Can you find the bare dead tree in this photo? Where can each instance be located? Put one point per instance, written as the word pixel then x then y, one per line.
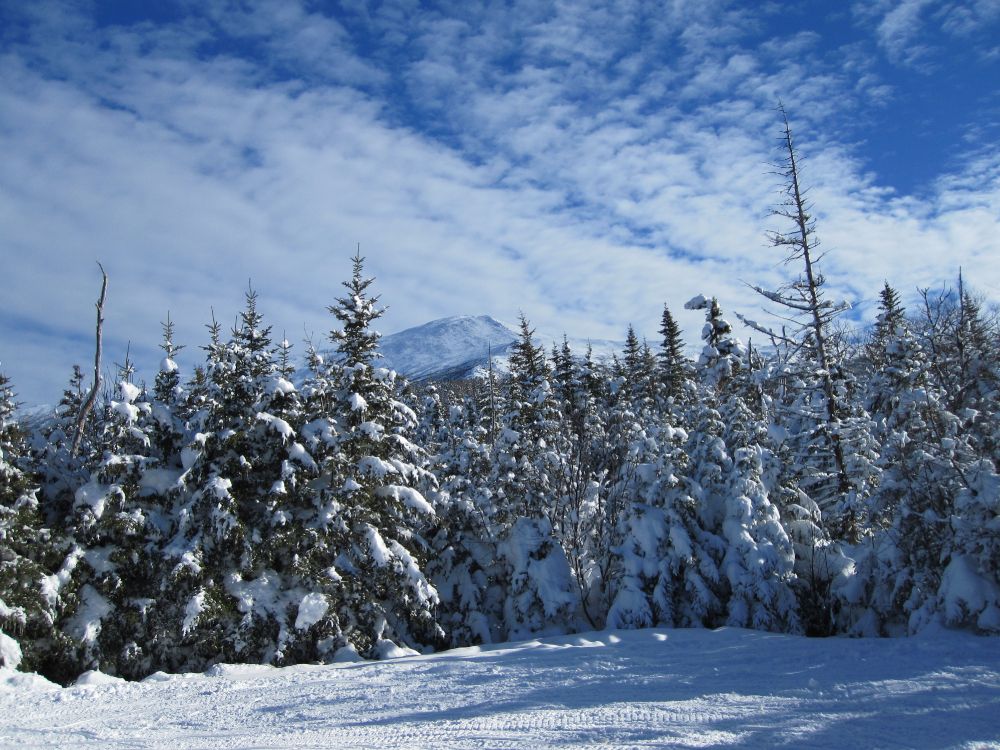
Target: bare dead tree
pixel 88 405
pixel 804 307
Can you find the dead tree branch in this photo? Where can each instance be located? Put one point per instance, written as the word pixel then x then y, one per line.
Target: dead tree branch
pixel 88 405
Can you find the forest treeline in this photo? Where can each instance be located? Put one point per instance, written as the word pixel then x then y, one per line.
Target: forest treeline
pixel 240 517
pixel 832 482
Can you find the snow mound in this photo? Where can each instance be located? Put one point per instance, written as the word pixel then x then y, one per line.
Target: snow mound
pixel 10 650
pixel 96 677
pixel 12 681
pixel 389 650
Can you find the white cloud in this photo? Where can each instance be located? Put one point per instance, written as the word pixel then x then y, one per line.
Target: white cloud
pixel 549 161
pixel 899 29
pixel 912 32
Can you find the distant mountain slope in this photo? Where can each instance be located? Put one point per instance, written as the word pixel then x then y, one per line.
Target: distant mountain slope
pixel 448 348
pixel 459 347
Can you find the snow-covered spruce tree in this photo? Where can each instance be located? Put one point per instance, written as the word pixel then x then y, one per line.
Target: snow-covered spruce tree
pixel 529 420
pixel 465 566
pixel 970 591
pixel 619 450
pixel 371 486
pixel 580 521
pixel 887 576
pixel 933 552
pixel 758 561
pixel 638 370
pixel 118 523
pixel 970 586
pixel 167 430
pixel 29 555
pixel 668 560
pixel 526 403
pixel 674 368
pixel 710 465
pixel 249 563
pixel 309 534
pixel 891 315
pixel 529 471
pixel 612 448
pixel 666 571
pixel 722 353
pixel 192 610
pixel 566 384
pixel 961 340
pixel 760 557
pixel 59 472
pixel 831 432
pixel 58 475
pixel 214 606
pixel 283 594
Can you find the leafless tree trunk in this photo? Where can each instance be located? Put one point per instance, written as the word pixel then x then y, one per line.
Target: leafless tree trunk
pixel 803 245
pixel 88 405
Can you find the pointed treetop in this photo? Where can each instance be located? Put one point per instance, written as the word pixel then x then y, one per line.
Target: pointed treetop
pixel 632 346
pixel 214 333
pixel 126 369
pixel 251 332
pixel 168 345
pixel 526 359
pixel 356 311
pixel 891 311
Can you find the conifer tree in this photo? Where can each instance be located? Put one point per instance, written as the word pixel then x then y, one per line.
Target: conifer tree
pixel 932 511
pixel 529 476
pixel 891 315
pixel 29 554
pixel 117 521
pixel 466 568
pixel 372 484
pixel 59 472
pixel 673 365
pixel 668 558
pixel 759 559
pixel 167 432
pixel 728 452
pixel 215 558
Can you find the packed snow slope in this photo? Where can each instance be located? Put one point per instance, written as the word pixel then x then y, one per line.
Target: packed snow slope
pixel 646 688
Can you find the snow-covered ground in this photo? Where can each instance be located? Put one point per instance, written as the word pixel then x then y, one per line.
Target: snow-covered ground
pixel 649 688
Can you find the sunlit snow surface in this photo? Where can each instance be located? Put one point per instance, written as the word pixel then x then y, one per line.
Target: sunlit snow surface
pixel 650 688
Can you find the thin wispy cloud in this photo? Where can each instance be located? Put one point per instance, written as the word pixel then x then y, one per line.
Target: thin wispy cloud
pixel 582 162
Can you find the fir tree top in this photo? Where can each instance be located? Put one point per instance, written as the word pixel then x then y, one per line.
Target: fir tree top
pixel 356 340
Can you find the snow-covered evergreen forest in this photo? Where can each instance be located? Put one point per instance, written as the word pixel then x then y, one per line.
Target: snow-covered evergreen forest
pixel 830 481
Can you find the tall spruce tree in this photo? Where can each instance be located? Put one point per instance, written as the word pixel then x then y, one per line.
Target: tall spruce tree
pixel 466 567
pixel 530 470
pixel 673 365
pixel 372 481
pixel 30 553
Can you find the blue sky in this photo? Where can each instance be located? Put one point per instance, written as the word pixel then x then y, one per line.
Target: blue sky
pixel 582 162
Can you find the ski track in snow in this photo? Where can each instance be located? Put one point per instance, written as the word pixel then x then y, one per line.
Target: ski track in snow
pixel 641 689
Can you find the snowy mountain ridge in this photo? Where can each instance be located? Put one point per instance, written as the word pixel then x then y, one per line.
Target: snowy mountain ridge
pixel 448 348
pixel 459 347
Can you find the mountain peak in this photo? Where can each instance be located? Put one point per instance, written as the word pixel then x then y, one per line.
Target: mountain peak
pixel 447 348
